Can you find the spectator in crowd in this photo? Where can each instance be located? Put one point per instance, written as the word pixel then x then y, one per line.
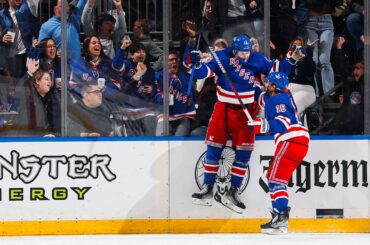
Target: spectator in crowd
pixel 34 103
pixel 350 117
pixel 341 64
pixel 209 33
pixel 89 116
pixel 181 104
pixel 52 28
pixel 141 35
pixel 18 25
pixel 107 28
pixel 206 98
pixel 6 100
pixel 355 24
pixel 205 89
pixel 234 17
pixel 138 78
pixel 283 26
pixel 93 67
pixel 320 32
pixel 46 52
pixel 7 90
pixel 138 82
pixel 301 17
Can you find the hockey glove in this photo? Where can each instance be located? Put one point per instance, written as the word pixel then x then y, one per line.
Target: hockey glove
pixel 295 54
pixel 195 58
pixel 259 126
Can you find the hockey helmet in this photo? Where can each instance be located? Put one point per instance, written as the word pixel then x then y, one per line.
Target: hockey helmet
pixel 279 79
pixel 242 43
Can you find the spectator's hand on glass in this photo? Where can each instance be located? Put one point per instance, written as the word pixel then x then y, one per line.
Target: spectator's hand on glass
pixel 253 4
pixel 362 37
pixel 32 66
pixel 340 42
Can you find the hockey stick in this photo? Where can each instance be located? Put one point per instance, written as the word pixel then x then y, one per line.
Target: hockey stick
pixel 190 84
pixel 250 119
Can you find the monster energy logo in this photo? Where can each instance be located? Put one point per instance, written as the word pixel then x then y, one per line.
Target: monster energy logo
pixel 28 168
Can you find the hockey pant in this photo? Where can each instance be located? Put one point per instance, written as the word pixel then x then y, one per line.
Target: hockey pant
pixel 288 156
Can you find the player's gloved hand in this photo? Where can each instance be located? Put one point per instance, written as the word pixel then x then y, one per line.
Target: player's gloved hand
pixel 195 58
pixel 259 126
pixel 295 54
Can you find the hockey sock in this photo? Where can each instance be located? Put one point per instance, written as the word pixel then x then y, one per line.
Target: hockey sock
pixel 211 164
pixel 279 197
pixel 239 167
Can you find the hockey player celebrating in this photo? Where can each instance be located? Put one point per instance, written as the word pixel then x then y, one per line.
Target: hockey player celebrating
pixel 291 140
pixel 228 117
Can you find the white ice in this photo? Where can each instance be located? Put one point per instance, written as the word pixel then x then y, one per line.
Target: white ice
pixel 194 239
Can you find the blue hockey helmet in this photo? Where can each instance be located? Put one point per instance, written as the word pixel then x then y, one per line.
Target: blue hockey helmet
pixel 279 79
pixel 241 43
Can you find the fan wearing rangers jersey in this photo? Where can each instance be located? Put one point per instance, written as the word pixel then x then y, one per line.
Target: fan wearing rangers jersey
pixel 228 117
pixel 291 140
pixel 181 104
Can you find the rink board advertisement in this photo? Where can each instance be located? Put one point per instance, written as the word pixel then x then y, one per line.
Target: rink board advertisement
pixel 141 186
pixel 84 180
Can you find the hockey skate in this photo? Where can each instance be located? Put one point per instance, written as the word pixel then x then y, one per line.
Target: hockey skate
pixel 204 197
pixel 278 224
pixel 230 199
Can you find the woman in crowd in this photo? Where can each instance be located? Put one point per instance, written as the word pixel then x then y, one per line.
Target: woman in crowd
pixel 50 60
pixel 36 105
pixel 94 66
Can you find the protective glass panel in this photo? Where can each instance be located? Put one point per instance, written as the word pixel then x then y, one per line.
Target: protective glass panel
pixel 198 25
pixel 23 89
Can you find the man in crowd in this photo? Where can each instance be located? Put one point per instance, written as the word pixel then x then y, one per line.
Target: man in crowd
pixel 19 25
pixel 52 28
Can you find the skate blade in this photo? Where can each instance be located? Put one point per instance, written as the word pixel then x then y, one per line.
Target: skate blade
pixel 229 205
pixel 202 202
pixel 275 231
